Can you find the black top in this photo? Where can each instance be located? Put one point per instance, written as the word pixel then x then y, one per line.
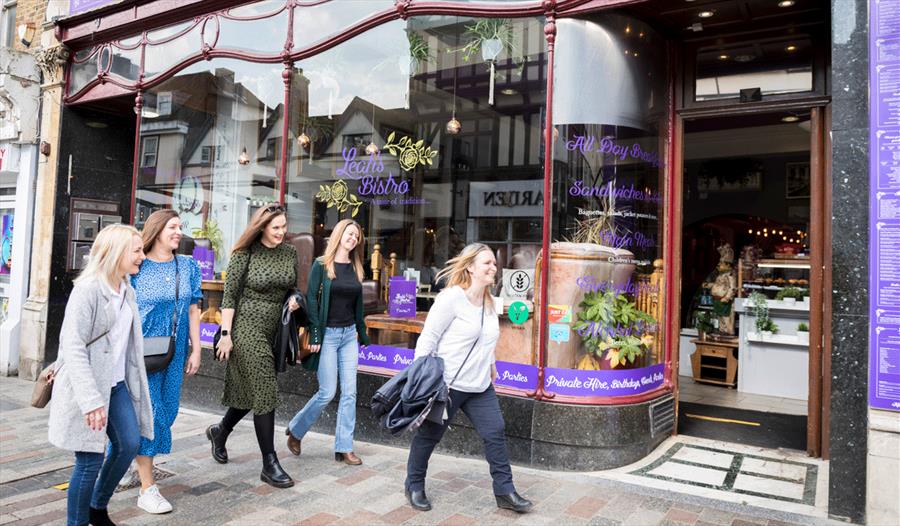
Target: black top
pixel 345 289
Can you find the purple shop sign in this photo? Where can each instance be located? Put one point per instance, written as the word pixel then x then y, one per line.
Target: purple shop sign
pixel 884 205
pixel 207 332
pixel 574 382
pixel 205 258
pixel 516 375
pixel 80 6
pixel 402 298
pixel 385 356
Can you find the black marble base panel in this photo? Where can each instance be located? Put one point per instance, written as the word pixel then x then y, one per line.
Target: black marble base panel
pixel 540 434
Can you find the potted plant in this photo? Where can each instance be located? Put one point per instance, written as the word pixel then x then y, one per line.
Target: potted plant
pixel 759 307
pixel 211 234
pixel 803 333
pixel 419 52
pixel 491 36
pixel 703 322
pixel 615 332
pixel 789 295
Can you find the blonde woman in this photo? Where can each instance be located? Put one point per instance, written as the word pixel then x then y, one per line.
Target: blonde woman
pixel 335 304
pixel 261 273
pixel 101 389
pixel 462 328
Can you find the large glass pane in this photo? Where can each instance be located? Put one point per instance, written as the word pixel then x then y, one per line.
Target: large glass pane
pixel 775 66
pixel 397 129
pixel 163 55
pixel 316 22
pixel 237 30
pixel 207 149
pixel 606 262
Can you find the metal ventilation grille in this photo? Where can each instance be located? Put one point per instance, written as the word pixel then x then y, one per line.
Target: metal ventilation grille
pixel 662 416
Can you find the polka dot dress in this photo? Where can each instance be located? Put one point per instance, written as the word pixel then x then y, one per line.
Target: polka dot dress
pixel 250 372
pixel 154 287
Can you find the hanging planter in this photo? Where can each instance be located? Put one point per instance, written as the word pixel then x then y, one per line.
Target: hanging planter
pixel 490 36
pixel 419 52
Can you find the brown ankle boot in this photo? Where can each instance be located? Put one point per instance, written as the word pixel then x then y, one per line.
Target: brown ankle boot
pixel 293 444
pixel 348 458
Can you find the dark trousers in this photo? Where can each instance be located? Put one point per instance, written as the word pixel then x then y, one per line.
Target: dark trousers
pixel 483 409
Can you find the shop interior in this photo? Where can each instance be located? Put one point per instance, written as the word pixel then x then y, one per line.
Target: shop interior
pixel 744 341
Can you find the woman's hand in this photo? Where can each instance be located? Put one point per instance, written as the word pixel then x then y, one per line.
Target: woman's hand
pixel 314 348
pixel 193 362
pixel 494 373
pixel 223 350
pixel 96 419
pixel 292 304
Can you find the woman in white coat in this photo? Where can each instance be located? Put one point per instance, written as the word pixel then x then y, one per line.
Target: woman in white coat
pixel 100 390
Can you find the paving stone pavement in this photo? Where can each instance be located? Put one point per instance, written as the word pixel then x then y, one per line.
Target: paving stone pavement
pixel 330 493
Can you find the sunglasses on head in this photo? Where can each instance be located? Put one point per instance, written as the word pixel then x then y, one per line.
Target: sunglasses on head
pixel 272 209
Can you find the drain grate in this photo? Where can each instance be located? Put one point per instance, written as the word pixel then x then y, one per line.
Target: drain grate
pixel 132 480
pixel 662 416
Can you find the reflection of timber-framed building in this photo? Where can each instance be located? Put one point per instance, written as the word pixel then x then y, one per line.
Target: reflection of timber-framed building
pixel 605 151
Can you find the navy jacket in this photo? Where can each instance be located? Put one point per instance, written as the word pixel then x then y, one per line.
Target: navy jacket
pixel 412 396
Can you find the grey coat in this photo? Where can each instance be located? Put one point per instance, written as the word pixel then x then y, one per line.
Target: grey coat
pixel 84 380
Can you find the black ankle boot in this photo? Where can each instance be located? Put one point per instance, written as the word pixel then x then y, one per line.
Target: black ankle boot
pixel 418 500
pixel 99 518
pixel 514 502
pixel 272 473
pixel 217 435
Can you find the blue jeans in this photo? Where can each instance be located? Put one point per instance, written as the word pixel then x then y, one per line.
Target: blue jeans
pixel 86 489
pixel 339 356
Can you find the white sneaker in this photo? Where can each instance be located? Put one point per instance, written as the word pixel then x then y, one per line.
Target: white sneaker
pixel 151 501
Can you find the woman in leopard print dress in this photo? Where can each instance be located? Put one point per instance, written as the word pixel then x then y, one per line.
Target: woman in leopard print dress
pixel 250 318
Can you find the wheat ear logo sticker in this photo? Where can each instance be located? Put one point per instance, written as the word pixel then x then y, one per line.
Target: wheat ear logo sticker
pixel 338 196
pixel 410 154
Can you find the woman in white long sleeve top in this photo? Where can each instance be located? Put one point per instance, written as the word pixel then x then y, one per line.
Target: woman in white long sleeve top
pixel 463 322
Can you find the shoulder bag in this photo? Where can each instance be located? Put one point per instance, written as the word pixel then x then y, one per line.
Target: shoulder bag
pixel 159 350
pixel 43 386
pixel 237 303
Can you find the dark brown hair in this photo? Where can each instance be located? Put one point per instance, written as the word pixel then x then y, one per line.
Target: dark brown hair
pixel 155 224
pixel 258 222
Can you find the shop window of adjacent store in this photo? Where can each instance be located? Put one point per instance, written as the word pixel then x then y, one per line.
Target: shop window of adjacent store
pixel 430 142
pixel 606 283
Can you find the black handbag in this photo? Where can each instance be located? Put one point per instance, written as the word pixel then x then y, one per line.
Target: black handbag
pixel 240 292
pixel 159 350
pixel 287 337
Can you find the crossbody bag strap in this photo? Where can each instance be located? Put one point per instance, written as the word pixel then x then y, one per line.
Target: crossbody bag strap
pixel 478 339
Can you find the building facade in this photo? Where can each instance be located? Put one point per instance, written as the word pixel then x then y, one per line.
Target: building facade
pixel 647 174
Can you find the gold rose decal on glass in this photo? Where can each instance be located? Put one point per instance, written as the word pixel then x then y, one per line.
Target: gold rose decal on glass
pixel 338 196
pixel 409 154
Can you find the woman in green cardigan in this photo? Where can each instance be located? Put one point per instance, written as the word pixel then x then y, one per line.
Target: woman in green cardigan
pixel 335 304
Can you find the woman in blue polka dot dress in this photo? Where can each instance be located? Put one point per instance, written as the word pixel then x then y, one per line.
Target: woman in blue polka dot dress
pixel 154 286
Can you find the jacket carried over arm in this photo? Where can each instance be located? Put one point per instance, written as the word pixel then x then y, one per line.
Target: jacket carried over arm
pixel 317 304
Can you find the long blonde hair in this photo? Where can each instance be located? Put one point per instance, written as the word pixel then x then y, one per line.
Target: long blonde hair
pixel 334 241
pixel 457 271
pixel 111 245
pixel 258 222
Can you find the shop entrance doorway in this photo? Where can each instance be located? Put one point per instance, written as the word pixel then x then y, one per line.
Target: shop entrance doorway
pixel 750 239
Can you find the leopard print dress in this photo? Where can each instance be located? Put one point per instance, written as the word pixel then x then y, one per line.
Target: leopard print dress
pixel 250 372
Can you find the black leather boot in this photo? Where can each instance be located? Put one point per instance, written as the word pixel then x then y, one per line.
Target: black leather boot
pixel 272 473
pixel 217 435
pixel 99 518
pixel 514 502
pixel 418 500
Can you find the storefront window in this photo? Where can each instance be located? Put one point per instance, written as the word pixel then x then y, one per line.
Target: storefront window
pixel 428 135
pixel 605 303
pixel 210 149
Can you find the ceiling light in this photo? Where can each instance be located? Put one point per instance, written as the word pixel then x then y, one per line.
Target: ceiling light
pixel 96 124
pixel 723 56
pixel 627 30
pixel 790 118
pixel 453 126
pixel 791 48
pixel 786 3
pixel 508 91
pixel 243 158
pixel 303 140
pixel 706 14
pixel 744 58
pixel 696 27
pixel 371 149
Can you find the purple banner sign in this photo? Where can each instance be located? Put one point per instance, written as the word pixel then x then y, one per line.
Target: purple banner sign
pixel 884 205
pixel 402 298
pixel 574 382
pixel 385 356
pixel 80 6
pixel 205 258
pixel 516 375
pixel 207 332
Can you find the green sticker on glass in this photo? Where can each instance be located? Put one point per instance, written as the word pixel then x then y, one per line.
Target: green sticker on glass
pixel 518 312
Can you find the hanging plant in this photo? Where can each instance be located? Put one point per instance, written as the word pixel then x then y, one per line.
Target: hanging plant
pixel 491 36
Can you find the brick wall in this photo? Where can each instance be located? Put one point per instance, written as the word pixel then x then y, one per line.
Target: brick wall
pixel 31 12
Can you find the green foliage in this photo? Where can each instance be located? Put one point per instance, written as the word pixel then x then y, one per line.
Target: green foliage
pixel 419 49
pixel 759 307
pixel 213 233
pixel 489 29
pixel 803 327
pixel 613 310
pixel 703 322
pixel 790 292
